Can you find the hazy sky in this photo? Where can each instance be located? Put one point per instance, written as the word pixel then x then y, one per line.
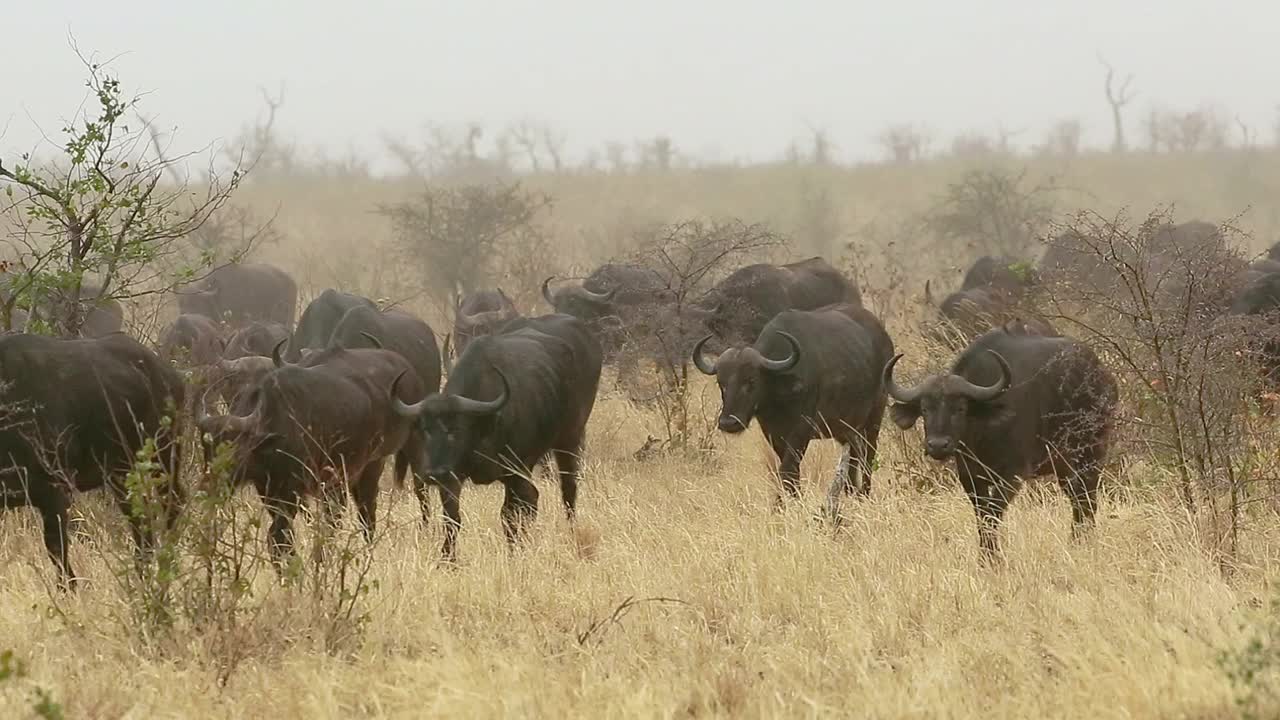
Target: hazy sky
pixel 724 78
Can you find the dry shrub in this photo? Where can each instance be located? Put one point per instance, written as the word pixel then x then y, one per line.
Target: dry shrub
pixel 1150 297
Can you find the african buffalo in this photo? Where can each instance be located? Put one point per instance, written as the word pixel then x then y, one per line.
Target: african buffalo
pixel 258 338
pixel 990 295
pixel 1015 405
pixel 79 413
pixel 739 307
pixel 1260 298
pixel 394 330
pixel 481 313
pixel 512 400
pixel 319 430
pixel 191 340
pixel 811 374
pixel 241 293
pixel 319 319
pixel 619 303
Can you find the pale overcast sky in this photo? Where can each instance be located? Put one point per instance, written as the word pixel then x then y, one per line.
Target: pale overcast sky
pixel 724 78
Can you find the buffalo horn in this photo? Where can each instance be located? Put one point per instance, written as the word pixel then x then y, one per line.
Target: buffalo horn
pixel 376 342
pixel 977 392
pixel 898 393
pixel 467 406
pixel 403 409
pixel 546 291
pixel 700 360
pixel 787 363
pixel 275 354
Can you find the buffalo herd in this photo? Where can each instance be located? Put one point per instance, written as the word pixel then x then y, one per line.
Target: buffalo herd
pixel 312 407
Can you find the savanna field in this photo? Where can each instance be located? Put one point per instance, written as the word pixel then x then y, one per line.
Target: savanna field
pixel 680 591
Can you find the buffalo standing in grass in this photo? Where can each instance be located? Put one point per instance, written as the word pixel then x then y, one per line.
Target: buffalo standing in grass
pixel 241 293
pixel 191 340
pixel 319 319
pixel 79 412
pixel 481 313
pixel 738 307
pixel 319 430
pixel 811 374
pixel 512 400
pixel 1015 405
pixel 988 297
pixel 619 303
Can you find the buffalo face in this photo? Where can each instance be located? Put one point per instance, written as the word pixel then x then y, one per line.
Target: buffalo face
pixel 742 374
pixel 948 403
pixel 451 427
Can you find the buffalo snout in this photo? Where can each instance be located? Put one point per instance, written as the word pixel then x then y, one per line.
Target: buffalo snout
pixel 940 448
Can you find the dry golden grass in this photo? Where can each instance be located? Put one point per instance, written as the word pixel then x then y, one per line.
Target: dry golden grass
pixel 772 614
pixel 765 614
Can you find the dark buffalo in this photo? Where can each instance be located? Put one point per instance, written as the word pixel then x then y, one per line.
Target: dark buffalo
pixel 393 330
pixel 739 307
pixel 1013 406
pixel 512 400
pixel 620 303
pixel 992 291
pixel 241 293
pixel 323 430
pixel 255 339
pixel 191 340
pixel 80 411
pixel 481 313
pixel 811 374
pixel 1260 299
pixel 318 321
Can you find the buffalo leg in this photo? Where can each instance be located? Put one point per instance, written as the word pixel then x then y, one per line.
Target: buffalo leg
pixel 519 506
pixel 451 504
pixel 1081 486
pixel 54 508
pixel 869 440
pixel 365 495
pixel 567 466
pixel 790 454
pixel 280 533
pixel 990 499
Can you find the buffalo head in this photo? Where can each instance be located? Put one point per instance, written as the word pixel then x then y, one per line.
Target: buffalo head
pixel 742 374
pixel 452 425
pixel 579 301
pixel 948 402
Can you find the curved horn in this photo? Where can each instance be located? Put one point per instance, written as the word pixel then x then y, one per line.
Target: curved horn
pixel 275 354
pixel 928 295
pixel 700 360
pixel 233 423
pixel 896 392
pixel 469 321
pixel 402 408
pixel 376 342
pixel 546 291
pixel 788 363
pixel 467 406
pixel 603 297
pixel 980 393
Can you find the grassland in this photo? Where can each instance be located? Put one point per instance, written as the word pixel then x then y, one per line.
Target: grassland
pixel 737 610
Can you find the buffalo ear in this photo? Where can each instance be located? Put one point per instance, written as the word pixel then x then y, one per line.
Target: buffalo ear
pixel 905 415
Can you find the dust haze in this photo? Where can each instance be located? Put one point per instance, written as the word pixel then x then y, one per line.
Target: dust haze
pixel 725 80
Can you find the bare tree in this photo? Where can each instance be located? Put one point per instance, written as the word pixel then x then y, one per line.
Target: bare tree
pixel 1064 138
pixel 904 143
pixel 1117 98
pixel 460 235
